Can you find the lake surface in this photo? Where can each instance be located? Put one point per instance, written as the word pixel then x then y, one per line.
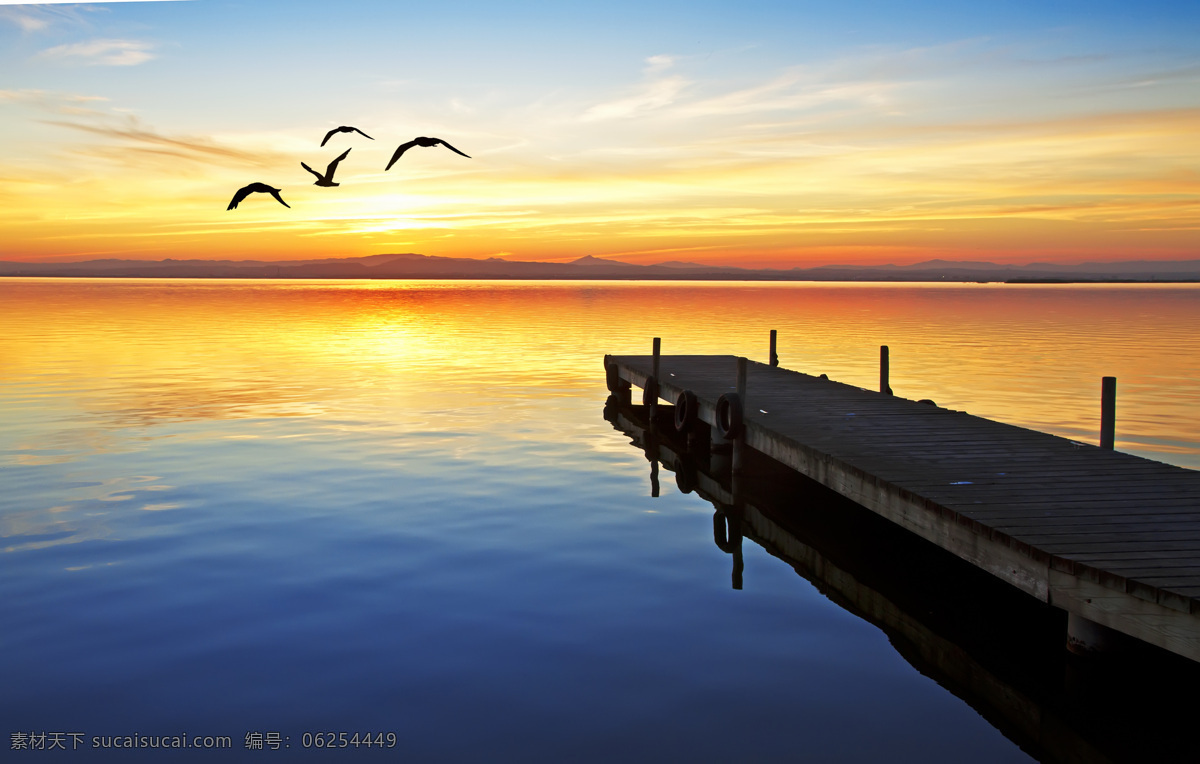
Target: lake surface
pixel 267 510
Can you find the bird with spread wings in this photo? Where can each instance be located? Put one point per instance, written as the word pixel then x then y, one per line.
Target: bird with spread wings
pixel 254 188
pixel 327 178
pixel 343 129
pixel 424 142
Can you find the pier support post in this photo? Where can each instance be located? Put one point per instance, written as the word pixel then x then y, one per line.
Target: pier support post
pixel 739 443
pixel 655 365
pixel 1108 412
pixel 774 358
pixel 1089 638
pixel 720 448
pixel 884 371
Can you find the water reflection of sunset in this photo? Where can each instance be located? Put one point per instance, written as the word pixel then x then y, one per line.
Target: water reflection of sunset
pixel 133 353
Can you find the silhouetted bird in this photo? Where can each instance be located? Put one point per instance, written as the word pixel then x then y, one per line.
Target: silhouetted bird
pixel 257 188
pixel 327 178
pixel 343 129
pixel 425 142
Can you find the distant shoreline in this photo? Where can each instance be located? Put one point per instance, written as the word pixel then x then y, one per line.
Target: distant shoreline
pixel 596 277
pixel 416 266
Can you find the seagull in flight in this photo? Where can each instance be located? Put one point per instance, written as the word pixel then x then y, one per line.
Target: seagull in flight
pixel 344 129
pixel 257 188
pixel 425 142
pixel 327 178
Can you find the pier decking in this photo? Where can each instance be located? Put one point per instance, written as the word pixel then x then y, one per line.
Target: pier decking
pixel 1111 538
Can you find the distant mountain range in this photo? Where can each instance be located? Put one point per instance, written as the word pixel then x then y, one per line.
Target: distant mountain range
pixel 412 266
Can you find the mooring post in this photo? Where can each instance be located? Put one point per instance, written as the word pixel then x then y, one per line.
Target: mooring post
pixel 654 367
pixel 884 386
pixel 774 355
pixel 739 442
pixel 1108 412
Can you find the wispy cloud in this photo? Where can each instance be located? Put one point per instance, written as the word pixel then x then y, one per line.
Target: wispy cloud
pixel 40 17
pixel 146 140
pixel 660 63
pixel 55 103
pixel 129 139
pixel 657 91
pixel 28 20
pixel 102 52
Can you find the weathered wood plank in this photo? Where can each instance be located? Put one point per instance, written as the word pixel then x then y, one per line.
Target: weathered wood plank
pixel 1076 509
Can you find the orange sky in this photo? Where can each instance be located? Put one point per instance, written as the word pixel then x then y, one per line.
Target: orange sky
pixel 125 133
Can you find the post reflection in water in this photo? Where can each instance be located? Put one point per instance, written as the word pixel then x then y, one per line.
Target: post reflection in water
pixel 997 649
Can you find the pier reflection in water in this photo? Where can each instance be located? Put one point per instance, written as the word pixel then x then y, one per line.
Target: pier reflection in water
pixel 994 647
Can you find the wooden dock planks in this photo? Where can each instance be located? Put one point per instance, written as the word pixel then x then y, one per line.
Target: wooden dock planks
pixel 1112 537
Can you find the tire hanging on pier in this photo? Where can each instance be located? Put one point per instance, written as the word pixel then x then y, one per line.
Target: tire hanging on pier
pixel 686 409
pixel 650 391
pixel 611 375
pixel 729 416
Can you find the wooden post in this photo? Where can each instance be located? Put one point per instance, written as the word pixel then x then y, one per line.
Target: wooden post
pixel 1108 412
pixel 774 356
pixel 739 443
pixel 884 370
pixel 1091 639
pixel 654 371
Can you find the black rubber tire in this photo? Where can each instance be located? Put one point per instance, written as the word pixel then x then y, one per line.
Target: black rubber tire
pixel 685 411
pixel 729 416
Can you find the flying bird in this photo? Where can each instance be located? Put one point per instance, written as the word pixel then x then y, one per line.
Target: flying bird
pixel 327 178
pixel 257 188
pixel 343 129
pixel 425 142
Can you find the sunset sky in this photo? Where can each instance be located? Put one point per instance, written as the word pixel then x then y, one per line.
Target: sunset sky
pixel 750 133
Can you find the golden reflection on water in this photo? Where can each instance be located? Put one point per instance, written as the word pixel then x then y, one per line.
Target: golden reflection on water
pixel 120 354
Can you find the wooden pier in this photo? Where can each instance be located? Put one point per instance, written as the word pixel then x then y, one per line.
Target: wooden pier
pixel 1112 539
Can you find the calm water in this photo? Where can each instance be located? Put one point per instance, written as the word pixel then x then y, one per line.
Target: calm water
pixel 395 507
